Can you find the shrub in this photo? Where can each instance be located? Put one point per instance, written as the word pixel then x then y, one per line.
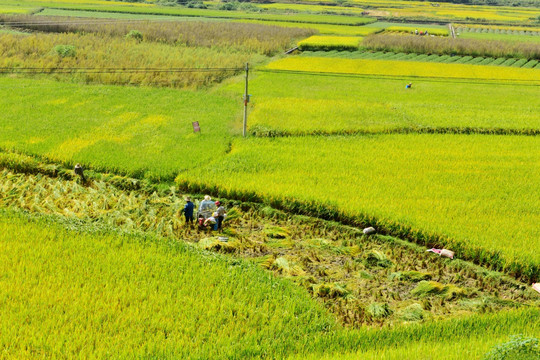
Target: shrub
pixel 135 35
pixel 65 50
pixel 518 348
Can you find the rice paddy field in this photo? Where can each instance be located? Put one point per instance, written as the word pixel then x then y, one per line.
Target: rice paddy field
pixel 401 56
pixel 107 267
pixel 403 69
pixel 317 42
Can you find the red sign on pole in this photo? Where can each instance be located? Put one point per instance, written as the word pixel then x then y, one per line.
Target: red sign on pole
pixel 196 127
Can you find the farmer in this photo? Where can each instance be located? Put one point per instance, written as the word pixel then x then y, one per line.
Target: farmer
pixel 79 171
pixel 221 213
pixel 211 222
pixel 188 211
pixel 207 206
pixel 408 86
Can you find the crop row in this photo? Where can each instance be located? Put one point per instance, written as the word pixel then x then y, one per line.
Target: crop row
pixel 498 31
pixel 449 46
pixel 447 59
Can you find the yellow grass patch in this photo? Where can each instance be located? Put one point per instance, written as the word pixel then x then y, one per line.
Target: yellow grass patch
pixel 405 68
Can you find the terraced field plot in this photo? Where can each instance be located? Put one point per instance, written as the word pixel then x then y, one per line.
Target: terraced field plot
pixel 335 145
pixel 447 59
pixel 505 37
pixel 160 287
pixel 330 43
pixel 119 128
pixel 272 239
pixel 456 185
pixel 370 104
pixel 406 69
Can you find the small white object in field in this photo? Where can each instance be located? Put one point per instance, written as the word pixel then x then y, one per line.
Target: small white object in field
pixel 369 231
pixel 447 253
pixel 443 252
pixel 536 287
pixel 223 238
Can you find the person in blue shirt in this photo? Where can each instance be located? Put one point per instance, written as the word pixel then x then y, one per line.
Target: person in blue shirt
pixel 188 211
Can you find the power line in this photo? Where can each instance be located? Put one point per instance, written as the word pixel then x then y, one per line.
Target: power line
pixel 89 70
pixel 81 22
pixel 531 82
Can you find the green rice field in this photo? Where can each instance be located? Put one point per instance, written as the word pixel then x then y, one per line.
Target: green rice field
pixel 432 141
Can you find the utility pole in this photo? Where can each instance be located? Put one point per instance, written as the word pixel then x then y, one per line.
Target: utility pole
pixel 246 100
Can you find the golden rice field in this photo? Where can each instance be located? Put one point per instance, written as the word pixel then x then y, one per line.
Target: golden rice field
pixel 317 42
pixel 108 269
pixel 405 69
pixel 454 185
pixel 326 29
pixel 372 104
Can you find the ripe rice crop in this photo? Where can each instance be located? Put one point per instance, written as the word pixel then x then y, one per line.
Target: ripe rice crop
pixel 98 51
pixel 370 105
pixel 403 69
pixel 252 38
pixel 449 46
pixel 140 296
pixel 457 186
pixel 330 43
pixel 130 130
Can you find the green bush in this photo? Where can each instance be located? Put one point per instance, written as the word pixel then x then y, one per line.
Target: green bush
pixel 518 348
pixel 65 50
pixel 135 35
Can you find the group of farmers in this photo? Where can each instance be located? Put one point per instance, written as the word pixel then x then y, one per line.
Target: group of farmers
pixel 210 214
